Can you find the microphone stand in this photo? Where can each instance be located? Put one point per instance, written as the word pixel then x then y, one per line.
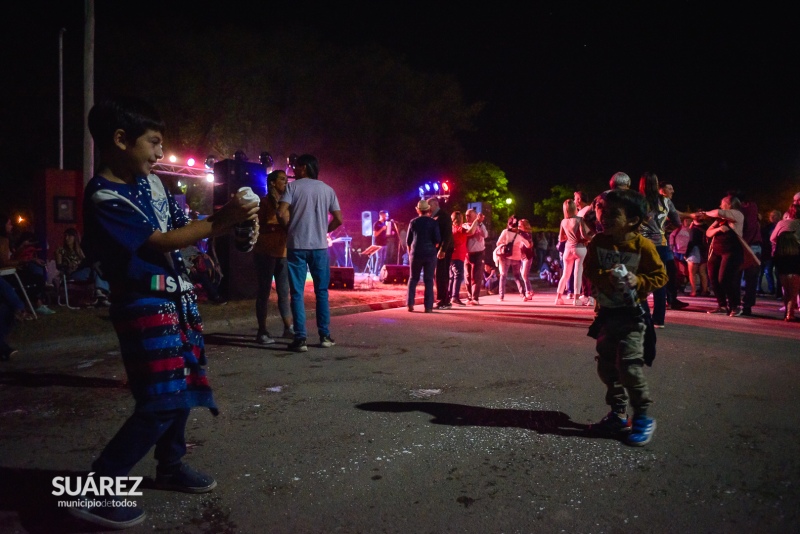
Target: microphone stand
pixel 399 245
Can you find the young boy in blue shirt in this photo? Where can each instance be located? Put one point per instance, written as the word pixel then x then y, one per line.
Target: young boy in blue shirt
pixel 135 229
pixel 624 268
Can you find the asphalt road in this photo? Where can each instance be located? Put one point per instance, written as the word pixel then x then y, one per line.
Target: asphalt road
pixel 471 420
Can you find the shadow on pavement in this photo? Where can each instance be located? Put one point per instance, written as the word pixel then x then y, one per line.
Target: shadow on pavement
pixel 543 422
pixel 37 380
pixel 28 492
pixel 241 340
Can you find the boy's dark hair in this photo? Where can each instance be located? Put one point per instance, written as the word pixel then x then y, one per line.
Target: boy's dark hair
pixel 633 203
pixel 311 163
pixel 130 114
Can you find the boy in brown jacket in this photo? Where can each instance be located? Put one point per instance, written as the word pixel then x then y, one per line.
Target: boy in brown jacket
pixel 624 268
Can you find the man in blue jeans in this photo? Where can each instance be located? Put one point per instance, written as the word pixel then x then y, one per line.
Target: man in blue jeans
pixel 305 208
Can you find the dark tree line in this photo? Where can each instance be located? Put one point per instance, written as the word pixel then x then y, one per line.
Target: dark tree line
pixel 378 127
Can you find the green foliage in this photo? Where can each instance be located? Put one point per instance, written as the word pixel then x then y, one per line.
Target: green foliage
pixel 484 182
pixel 551 208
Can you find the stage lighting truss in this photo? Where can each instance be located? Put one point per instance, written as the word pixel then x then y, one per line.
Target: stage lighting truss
pixel 171 166
pixel 441 189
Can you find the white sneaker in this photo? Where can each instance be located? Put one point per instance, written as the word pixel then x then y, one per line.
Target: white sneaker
pixel 264 339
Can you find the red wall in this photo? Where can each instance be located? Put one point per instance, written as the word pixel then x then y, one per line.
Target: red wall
pixel 53 183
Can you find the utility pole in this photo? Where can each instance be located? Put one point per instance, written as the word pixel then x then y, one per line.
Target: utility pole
pixel 88 89
pixel 61 99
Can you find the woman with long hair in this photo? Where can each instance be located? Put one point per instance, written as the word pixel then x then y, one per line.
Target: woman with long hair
pixel 660 209
pixel 785 240
pixel 528 258
pixel 269 257
pixel 574 233
pixel 726 255
pixel 510 264
pixel 697 260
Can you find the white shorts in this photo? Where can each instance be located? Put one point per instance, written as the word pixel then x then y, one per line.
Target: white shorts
pixel 694 256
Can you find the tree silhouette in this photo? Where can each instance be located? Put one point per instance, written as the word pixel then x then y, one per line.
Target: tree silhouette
pixel 376 125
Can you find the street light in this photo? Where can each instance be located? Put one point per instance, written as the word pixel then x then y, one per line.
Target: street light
pixel 509 202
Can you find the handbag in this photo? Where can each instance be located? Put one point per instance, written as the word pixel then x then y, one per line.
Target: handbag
pixel 508 248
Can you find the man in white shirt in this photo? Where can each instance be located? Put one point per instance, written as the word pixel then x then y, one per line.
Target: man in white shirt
pixel 476 248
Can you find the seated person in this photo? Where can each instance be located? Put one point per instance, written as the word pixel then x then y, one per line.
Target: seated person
pixel 31 269
pixel 71 261
pixel 551 271
pixel 11 310
pixel 491 280
pixel 203 270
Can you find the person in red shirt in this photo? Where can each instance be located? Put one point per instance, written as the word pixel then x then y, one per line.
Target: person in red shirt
pixel 459 255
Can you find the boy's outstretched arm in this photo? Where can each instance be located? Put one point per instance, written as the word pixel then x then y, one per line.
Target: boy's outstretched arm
pixel 232 213
pixel 652 274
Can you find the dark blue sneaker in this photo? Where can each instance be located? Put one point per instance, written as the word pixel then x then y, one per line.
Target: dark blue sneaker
pixel 116 517
pixel 641 431
pixel 185 479
pixel 613 424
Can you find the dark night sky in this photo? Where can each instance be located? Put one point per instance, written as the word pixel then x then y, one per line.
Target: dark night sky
pixel 574 91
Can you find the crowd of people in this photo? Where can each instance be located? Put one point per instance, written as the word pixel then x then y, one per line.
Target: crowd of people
pixel 610 253
pixel 727 253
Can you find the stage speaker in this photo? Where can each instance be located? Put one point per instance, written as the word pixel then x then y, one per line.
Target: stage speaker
pixel 395 274
pixel 230 175
pixel 342 278
pixel 238 268
pixel 366 222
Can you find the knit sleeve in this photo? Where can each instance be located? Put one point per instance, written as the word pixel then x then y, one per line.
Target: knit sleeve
pixel 651 274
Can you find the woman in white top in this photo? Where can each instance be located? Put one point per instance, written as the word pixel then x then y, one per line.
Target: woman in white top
pixel 574 231
pixel 511 264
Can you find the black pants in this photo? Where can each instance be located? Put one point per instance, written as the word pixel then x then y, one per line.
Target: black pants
pixel 443 278
pixel 725 275
pixel 751 280
pixel 137 436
